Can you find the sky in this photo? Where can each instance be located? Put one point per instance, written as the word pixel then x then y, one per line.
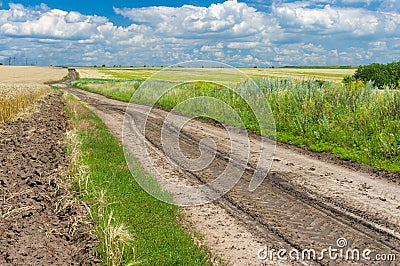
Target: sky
pixel 240 33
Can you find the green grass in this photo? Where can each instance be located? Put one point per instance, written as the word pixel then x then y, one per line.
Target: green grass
pixel 120 89
pixel 158 237
pixel 355 123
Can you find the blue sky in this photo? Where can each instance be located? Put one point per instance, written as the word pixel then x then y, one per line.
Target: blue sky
pixel 105 8
pixel 240 33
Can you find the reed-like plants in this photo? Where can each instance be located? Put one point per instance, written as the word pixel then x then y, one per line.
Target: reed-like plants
pixel 358 123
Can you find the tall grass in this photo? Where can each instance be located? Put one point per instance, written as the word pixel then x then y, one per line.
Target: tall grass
pixel 15 98
pixel 22 86
pixel 356 123
pixel 361 124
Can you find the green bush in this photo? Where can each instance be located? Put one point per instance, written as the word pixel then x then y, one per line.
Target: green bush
pixel 383 76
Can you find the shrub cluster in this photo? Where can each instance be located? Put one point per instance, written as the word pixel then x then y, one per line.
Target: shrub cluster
pixel 382 75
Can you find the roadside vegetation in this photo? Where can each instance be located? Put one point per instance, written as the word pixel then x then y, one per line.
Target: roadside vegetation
pixel 355 123
pixel 358 124
pixel 132 226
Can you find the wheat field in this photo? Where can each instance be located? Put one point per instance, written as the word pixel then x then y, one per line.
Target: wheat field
pixel 20 87
pixel 92 72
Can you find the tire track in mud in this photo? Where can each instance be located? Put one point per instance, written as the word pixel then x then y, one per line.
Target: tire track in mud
pixel 293 215
pixel 298 219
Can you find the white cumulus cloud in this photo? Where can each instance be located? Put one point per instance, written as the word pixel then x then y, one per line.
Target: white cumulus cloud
pixel 42 22
pixel 315 32
pixel 328 19
pixel 230 19
pixel 354 22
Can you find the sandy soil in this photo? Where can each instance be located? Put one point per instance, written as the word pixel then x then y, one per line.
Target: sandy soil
pixel 40 221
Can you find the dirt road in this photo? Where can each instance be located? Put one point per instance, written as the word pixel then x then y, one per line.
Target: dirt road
pixel 308 201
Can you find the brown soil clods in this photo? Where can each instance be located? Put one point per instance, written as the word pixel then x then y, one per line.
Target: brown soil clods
pixel 41 222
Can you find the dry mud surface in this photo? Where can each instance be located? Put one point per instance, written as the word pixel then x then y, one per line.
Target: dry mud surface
pixel 40 223
pixel 307 200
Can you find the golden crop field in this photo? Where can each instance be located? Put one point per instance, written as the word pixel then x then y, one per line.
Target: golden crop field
pixel 92 72
pixel 328 74
pixel 21 86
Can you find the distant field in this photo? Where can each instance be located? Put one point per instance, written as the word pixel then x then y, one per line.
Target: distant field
pixel 20 87
pixel 215 74
pixel 301 73
pixel 31 74
pixel 92 72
